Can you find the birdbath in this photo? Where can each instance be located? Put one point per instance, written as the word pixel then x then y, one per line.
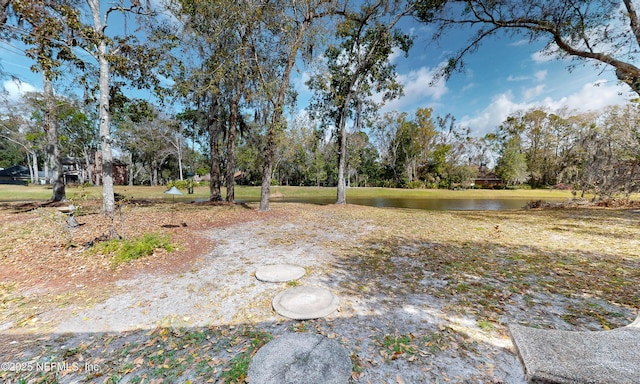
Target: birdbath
pixel 173 191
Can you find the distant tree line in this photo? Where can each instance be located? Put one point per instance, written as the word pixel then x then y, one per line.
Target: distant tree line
pixel 226 66
pixel 597 152
pixel 587 152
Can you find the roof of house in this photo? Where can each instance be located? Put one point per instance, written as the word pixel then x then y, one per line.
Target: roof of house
pixel 15 171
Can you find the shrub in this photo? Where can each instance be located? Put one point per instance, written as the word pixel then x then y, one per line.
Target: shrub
pixel 126 250
pixel 180 184
pixel 519 186
pixel 563 187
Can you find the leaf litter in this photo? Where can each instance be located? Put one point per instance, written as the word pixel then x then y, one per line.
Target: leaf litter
pixel 425 296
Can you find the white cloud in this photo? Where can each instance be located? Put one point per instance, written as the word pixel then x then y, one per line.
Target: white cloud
pixel 14 89
pixel 520 43
pixel 395 54
pixel 418 86
pixel 541 75
pixel 591 96
pixel 530 93
pixel 494 114
pixel 537 76
pixel 542 57
pixel 467 87
pixel 517 78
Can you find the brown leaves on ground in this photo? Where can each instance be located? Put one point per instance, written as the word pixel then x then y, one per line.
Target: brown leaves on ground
pixel 45 262
pixel 487 263
pixel 467 273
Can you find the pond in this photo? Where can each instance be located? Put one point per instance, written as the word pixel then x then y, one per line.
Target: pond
pixel 437 204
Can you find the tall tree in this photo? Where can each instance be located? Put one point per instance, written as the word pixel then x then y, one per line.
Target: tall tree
pixel 22 125
pixel 609 153
pixel 216 38
pixel 85 29
pixel 48 37
pixel 78 132
pixel 53 144
pixel 394 134
pixel 279 51
pixel 512 165
pixel 604 32
pixel 13 134
pixel 357 66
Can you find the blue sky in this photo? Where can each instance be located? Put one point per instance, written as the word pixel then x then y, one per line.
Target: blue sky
pixel 505 75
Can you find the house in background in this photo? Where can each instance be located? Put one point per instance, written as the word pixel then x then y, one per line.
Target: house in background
pixel 118 171
pixel 74 171
pixel 17 175
pixel 487 179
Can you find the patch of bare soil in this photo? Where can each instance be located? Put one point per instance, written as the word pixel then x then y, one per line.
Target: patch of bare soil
pixel 424 296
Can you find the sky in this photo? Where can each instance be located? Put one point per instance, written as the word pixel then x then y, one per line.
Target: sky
pixel 504 76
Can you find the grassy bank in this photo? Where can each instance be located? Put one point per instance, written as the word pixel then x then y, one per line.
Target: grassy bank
pixel 38 192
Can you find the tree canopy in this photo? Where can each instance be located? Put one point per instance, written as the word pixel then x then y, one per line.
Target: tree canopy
pixel 602 32
pixel 219 96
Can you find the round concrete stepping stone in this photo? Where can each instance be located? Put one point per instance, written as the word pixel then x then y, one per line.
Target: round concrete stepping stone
pixel 304 303
pixel 279 273
pixel 300 358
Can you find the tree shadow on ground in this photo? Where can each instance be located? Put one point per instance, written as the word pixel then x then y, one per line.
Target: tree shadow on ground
pixel 413 309
pixel 220 354
pixel 494 283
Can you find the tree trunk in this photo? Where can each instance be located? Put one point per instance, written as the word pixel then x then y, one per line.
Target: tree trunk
pixel 342 159
pixel 131 171
pixel 98 167
pixel 154 173
pixel 275 123
pixel 267 168
pixel 342 143
pixel 78 165
pixel 47 178
pixel 87 164
pixel 53 147
pixel 213 125
pixel 180 160
pixel 231 146
pixel 36 171
pixel 108 198
pixel 30 165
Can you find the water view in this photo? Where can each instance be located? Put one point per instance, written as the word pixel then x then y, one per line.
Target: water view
pixel 438 204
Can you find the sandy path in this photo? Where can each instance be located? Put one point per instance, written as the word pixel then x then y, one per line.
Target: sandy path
pixel 220 289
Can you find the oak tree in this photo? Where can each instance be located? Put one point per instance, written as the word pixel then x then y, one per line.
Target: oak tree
pixel 603 32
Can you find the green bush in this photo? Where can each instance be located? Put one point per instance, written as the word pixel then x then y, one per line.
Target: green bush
pixel 519 186
pixel 126 250
pixel 417 184
pixel 180 184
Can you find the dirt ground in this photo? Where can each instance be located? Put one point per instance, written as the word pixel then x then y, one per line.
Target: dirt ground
pixel 425 297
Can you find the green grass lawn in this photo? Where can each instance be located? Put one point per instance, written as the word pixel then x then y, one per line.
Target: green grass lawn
pixel 38 192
